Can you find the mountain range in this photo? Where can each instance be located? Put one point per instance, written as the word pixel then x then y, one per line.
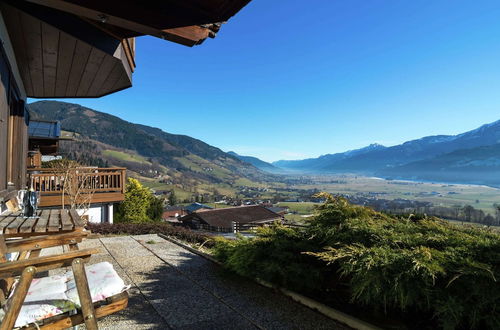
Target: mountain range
pixel 169 159
pixel 470 157
pixel 102 139
pixel 260 164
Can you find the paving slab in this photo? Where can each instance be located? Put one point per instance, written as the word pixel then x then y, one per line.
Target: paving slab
pixel 173 288
pixel 264 307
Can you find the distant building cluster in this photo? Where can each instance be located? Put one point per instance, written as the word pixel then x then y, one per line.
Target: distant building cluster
pixel 229 219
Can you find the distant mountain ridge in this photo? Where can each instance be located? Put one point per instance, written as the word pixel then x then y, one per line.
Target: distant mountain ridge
pixel 406 160
pixel 470 157
pixel 480 165
pixel 260 164
pixel 318 164
pixel 146 150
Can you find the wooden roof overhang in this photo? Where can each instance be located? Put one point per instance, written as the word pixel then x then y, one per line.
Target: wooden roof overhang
pixel 185 21
pixel 60 55
pixel 74 48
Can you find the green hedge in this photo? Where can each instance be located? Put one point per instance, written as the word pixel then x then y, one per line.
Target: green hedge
pixel 423 268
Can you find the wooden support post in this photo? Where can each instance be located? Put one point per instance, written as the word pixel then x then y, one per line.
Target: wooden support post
pixel 82 287
pixel 5 284
pixel 18 298
pixel 124 180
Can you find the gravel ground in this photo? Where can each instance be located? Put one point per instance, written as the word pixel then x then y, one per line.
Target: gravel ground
pixel 172 288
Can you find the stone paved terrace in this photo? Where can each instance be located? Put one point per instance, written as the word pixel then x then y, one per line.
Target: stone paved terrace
pixel 173 288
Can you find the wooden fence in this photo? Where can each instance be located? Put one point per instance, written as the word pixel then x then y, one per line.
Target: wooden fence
pixel 105 184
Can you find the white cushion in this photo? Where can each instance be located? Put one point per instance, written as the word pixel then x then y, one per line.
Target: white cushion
pixel 55 295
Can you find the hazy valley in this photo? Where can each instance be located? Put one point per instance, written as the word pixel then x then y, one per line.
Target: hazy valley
pixel 472 158
pixel 194 169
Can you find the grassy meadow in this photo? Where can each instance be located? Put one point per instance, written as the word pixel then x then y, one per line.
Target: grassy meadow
pixel 480 197
pixel 128 157
pixel 302 208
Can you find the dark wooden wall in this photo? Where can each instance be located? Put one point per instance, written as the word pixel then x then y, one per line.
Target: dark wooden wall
pixel 18 143
pixel 4 120
pixel 13 130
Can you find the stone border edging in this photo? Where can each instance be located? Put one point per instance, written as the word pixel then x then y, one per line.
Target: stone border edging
pixel 308 302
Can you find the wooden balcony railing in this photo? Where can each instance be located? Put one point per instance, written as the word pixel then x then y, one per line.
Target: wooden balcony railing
pixel 105 185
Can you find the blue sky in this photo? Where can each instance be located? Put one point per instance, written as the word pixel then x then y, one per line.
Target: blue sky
pixel 289 79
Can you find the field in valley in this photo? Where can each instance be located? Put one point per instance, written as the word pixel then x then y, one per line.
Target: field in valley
pixel 480 197
pixel 439 194
pixel 302 208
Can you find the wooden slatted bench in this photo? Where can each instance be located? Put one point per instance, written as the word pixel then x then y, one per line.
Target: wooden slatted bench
pixel 13 224
pixel 50 226
pixel 28 236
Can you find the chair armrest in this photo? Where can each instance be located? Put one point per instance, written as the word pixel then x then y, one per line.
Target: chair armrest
pixel 18 297
pixel 15 268
pixel 83 289
pixel 42 242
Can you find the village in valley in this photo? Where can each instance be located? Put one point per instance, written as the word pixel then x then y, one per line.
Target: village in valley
pixel 291 197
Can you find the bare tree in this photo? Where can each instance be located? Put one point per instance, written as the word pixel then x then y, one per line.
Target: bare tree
pixel 77 184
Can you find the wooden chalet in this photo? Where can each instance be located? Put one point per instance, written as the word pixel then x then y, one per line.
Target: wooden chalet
pixel 231 219
pixel 43 136
pixel 73 48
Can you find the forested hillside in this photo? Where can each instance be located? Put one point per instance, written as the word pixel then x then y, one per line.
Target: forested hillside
pixel 102 139
pixel 260 164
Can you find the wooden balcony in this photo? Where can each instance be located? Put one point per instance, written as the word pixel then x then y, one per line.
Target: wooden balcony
pixel 99 185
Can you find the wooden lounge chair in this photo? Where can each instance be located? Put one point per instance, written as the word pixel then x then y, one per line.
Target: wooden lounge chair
pixel 88 313
pixel 31 247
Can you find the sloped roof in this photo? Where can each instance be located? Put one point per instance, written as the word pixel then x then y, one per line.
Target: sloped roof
pixel 197 206
pixel 243 214
pixel 44 129
pixel 174 208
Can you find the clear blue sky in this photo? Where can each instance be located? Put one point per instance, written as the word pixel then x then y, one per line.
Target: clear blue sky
pixel 288 79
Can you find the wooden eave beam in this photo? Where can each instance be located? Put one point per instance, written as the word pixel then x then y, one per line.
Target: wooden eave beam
pixel 187 35
pixel 70 24
pixel 98 16
pixel 160 15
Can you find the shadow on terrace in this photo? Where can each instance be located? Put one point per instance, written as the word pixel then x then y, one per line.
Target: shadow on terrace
pixel 175 288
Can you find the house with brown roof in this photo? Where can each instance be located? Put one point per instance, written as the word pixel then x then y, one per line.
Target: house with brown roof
pixel 171 214
pixel 174 212
pixel 232 219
